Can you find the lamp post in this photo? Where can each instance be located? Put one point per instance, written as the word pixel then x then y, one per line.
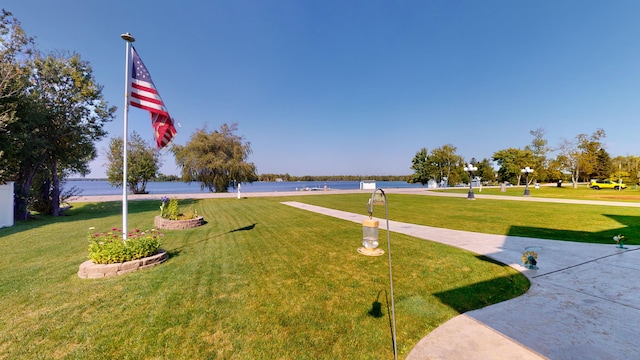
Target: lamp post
pixel 527 170
pixel 370 248
pixel 471 168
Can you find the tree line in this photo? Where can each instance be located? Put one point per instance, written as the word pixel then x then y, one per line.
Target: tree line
pixel 578 160
pixel 287 177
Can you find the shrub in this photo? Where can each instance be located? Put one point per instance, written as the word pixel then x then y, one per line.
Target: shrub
pixel 173 212
pixel 109 247
pixel 169 209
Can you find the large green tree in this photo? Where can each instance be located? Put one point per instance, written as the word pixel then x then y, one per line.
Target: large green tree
pixel 143 163
pixel 419 165
pixel 589 147
pixel 603 167
pixel 59 116
pixel 75 117
pixel 15 50
pixel 217 159
pixel 485 171
pixel 446 164
pixel 580 157
pixel 511 162
pixel 442 165
pixel 539 148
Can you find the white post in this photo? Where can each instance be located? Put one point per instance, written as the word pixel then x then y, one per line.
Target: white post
pixel 6 204
pixel 128 39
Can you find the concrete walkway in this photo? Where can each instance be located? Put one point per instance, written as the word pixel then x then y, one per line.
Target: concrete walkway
pixel 584 301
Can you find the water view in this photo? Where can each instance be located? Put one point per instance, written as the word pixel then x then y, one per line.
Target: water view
pixel 101 187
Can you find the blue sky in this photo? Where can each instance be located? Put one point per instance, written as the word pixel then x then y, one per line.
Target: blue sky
pixel 358 87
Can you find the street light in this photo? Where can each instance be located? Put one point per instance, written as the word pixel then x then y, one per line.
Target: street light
pixel 527 170
pixel 470 168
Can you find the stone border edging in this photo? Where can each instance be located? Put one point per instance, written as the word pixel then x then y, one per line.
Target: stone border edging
pixel 89 270
pixel 161 223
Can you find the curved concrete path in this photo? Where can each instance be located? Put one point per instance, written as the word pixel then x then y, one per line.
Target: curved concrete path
pixel 584 301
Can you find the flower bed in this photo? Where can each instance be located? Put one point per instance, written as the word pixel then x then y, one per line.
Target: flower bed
pixel 162 223
pixel 172 219
pixel 91 270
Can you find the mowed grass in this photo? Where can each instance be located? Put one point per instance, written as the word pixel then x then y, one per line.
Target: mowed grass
pixel 260 280
pixel 582 192
pixel 554 221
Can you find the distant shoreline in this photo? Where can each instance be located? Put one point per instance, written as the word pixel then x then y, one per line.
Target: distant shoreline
pixel 134 197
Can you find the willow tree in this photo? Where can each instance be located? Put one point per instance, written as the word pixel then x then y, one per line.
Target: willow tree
pixel 218 159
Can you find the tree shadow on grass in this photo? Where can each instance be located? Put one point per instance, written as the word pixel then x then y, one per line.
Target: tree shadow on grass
pixel 88 211
pixel 630 228
pixel 178 250
pixel 246 228
pixel 479 295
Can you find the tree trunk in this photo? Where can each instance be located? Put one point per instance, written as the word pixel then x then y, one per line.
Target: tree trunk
pixel 21 193
pixel 55 190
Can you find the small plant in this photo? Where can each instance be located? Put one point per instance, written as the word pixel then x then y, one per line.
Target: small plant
pixel 164 200
pixel 169 209
pixel 109 247
pixel 619 239
pixel 173 212
pixel 530 259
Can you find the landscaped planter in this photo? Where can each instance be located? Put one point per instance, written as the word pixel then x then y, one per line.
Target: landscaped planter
pixel 89 270
pixel 162 223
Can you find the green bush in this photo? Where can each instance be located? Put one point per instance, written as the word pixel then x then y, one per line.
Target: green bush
pixel 109 247
pixel 172 210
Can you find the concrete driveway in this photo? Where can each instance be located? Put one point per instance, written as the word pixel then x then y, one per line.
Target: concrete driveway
pixel 584 301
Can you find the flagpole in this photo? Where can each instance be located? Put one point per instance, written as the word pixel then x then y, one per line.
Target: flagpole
pixel 129 39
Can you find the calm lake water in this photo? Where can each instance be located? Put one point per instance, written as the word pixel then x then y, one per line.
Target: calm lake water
pixel 102 187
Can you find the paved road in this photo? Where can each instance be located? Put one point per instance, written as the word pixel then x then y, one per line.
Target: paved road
pixel 584 300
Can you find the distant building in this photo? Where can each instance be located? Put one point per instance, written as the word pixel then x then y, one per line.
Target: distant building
pixel 367 185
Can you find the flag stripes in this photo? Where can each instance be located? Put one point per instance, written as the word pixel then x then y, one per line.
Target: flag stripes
pixel 144 95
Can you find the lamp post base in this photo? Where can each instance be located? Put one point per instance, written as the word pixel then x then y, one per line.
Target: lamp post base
pixel 470 195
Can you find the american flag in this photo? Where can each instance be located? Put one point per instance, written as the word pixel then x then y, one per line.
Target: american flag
pixel 145 96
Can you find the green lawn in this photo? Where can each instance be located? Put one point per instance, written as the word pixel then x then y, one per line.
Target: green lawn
pixel 582 192
pixel 260 280
pixel 570 222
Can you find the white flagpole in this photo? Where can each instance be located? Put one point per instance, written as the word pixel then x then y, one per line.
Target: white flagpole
pixel 129 39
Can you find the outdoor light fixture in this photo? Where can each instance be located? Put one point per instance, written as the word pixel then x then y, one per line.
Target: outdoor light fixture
pixel 471 168
pixel 527 170
pixel 370 248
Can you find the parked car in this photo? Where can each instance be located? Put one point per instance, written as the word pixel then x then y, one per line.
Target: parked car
pixel 606 184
